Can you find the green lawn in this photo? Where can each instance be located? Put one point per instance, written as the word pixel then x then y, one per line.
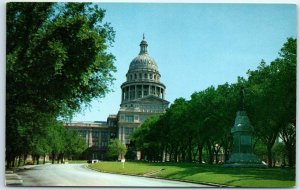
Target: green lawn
pixel 77 161
pixel 239 177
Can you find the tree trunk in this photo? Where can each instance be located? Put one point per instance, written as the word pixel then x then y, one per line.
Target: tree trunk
pixel 217 157
pixel 19 160
pixel 183 154
pixel 176 155
pixel 283 164
pixel 226 154
pixel 57 159
pixel 290 150
pixel 189 156
pixel 38 159
pixel 269 153
pixel 270 142
pixel 291 157
pixel 25 158
pixel 210 153
pixel 13 161
pixel 44 161
pixel 195 155
pixel 274 159
pixel 53 157
pixel 288 134
pixel 7 161
pixel 62 158
pixel 33 159
pixel 164 152
pixel 200 148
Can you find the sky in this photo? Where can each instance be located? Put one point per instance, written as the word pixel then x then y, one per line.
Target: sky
pixel 195 45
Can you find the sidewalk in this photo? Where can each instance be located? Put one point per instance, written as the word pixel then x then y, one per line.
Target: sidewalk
pixel 12 179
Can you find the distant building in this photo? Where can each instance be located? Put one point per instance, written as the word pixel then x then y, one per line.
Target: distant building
pixel 97 135
pixel 143 95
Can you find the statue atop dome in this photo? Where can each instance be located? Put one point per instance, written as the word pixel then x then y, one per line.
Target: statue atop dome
pixel 143 46
pixel 242 99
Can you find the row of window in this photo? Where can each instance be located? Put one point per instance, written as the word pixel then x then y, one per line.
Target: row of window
pixel 145 107
pixel 128 131
pixel 101 144
pixel 128 118
pixel 136 76
pixel 98 133
pixel 95 134
pixel 140 118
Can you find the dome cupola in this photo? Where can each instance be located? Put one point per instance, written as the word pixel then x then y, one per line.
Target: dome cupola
pixel 143 46
pixel 143 60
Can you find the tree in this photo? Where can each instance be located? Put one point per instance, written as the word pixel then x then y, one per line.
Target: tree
pixel 287 63
pixel 75 144
pixel 273 96
pixel 57 60
pixel 181 133
pixel 288 134
pixel 147 138
pixel 116 149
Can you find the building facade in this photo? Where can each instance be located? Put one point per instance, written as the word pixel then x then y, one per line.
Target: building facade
pixel 143 95
pixel 97 135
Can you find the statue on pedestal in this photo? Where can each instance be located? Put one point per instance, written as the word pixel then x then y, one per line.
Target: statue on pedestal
pixel 242 154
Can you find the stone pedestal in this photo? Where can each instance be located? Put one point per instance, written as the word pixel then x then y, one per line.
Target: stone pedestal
pixel 242 154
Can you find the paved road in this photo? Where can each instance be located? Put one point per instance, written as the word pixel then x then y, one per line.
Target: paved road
pixel 79 175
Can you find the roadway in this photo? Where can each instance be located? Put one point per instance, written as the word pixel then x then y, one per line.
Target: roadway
pixel 79 175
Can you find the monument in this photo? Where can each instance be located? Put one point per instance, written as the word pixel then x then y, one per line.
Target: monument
pixel 242 154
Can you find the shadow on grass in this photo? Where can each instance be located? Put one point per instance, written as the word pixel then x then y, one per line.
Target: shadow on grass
pixel 204 173
pixel 190 169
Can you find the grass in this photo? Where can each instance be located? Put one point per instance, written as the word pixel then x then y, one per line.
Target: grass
pixel 238 177
pixel 77 161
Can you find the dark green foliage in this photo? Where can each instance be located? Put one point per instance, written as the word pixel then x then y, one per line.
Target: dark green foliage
pixel 116 149
pixel 272 98
pixel 57 60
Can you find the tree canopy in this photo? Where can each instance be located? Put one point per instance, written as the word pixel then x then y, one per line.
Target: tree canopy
pixel 116 148
pixel 57 61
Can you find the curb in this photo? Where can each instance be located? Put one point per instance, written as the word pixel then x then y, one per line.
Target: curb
pixel 155 177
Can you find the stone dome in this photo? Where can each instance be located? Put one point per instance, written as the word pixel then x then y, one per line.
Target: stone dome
pixel 143 60
pixel 142 78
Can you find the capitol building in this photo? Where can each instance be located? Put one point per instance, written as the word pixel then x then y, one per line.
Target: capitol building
pixel 143 95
